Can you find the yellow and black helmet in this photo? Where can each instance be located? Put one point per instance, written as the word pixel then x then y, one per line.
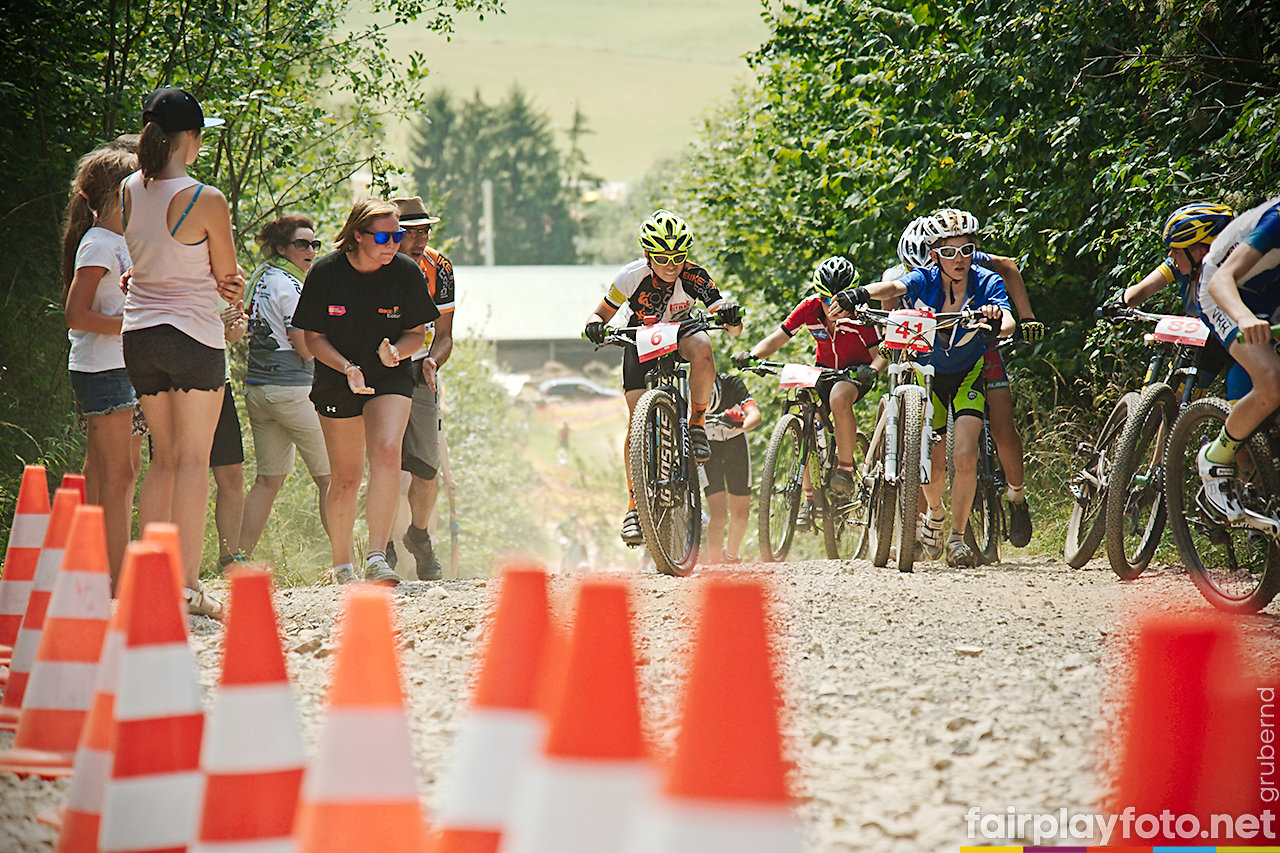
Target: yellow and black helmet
pixel 833 275
pixel 1198 222
pixel 665 232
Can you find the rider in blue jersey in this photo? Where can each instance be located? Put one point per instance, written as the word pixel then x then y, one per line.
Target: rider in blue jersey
pixel 953 284
pixel 1240 299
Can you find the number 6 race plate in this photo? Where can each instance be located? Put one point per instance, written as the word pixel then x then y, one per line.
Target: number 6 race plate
pixel 657 340
pixel 1173 329
pixel 910 329
pixel 799 376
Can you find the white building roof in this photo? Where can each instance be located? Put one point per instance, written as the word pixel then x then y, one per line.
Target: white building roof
pixel 533 303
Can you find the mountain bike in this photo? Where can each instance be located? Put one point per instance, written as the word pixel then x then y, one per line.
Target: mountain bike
pixel 1136 509
pixel 664 475
pixel 803 442
pixel 898 454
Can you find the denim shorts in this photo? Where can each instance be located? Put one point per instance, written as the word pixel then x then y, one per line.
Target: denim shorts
pixel 103 393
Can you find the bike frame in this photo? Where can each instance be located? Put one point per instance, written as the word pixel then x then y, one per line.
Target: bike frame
pixel 898 379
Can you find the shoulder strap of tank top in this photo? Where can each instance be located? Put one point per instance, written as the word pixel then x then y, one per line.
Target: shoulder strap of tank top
pixel 191 204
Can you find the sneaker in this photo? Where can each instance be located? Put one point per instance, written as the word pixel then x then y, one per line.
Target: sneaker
pixel 345 574
pixel 631 532
pixel 698 444
pixel 201 603
pixel 959 554
pixel 424 554
pixel 929 535
pixel 841 483
pixel 392 557
pixel 1019 523
pixel 804 515
pixel 1216 480
pixel 376 570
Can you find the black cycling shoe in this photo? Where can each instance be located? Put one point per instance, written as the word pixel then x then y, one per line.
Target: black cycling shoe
pixel 841 483
pixel 1019 523
pixel 698 444
pixel 390 551
pixel 631 532
pixel 804 515
pixel 424 554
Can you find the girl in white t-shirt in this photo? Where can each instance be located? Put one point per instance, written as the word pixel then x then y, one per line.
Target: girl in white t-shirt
pixel 94 256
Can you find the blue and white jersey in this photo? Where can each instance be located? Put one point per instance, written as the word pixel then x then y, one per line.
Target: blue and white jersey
pixel 1260 286
pixel 955 350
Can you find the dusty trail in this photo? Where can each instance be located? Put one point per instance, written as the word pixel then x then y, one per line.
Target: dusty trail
pixel 912 698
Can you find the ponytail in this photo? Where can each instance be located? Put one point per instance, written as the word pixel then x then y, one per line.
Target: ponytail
pixel 153 150
pixel 79 218
pixel 96 184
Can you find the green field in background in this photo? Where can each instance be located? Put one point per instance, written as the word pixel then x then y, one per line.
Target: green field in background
pixel 642 73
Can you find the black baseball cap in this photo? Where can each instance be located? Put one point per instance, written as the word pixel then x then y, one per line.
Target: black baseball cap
pixel 175 110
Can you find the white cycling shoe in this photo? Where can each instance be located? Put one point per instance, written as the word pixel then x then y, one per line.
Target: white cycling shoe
pixel 1217 490
pixel 929 534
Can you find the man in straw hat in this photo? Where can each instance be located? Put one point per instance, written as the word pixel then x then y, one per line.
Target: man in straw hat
pixel 420 453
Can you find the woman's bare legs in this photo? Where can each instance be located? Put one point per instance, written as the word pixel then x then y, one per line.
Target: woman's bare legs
pixel 109 478
pixel 344 442
pixel 385 418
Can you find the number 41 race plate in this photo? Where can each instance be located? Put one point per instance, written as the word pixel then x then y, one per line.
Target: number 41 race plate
pixel 910 329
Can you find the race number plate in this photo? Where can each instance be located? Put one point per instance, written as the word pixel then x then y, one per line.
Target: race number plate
pixel 910 329
pixel 657 340
pixel 799 376
pixel 1173 329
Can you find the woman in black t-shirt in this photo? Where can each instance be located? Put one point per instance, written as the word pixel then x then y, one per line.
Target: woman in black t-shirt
pixel 355 303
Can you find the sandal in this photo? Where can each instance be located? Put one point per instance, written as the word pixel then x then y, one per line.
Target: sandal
pixel 201 603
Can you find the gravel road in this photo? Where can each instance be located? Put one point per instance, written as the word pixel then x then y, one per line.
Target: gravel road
pixel 912 698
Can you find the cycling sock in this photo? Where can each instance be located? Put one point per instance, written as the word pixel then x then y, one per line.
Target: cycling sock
pixel 846 467
pixel 940 515
pixel 370 555
pixel 337 569
pixel 1224 447
pixel 1016 494
pixel 697 414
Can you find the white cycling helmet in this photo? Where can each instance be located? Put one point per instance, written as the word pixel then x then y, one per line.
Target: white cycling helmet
pixel 949 222
pixel 913 247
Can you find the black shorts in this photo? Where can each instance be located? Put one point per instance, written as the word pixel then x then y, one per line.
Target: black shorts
pixel 333 398
pixel 827 381
pixel 962 393
pixel 228 449
pixel 729 468
pixel 162 358
pixel 634 373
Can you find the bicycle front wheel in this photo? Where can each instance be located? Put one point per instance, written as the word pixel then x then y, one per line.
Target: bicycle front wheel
pixel 909 460
pixel 668 497
pixel 781 487
pixel 842 530
pixel 1135 506
pixel 1089 487
pixel 1236 569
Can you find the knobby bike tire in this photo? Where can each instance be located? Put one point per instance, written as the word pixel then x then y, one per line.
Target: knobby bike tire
pixel 909 460
pixel 842 530
pixel 870 483
pixel 672 532
pixel 1212 551
pixel 1135 488
pixel 986 515
pixel 781 489
pixel 1086 526
pixel 884 507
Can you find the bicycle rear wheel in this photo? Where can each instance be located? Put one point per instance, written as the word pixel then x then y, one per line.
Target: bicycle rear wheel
pixel 1235 569
pixel 867 497
pixel 909 460
pixel 1089 486
pixel 668 497
pixel 781 488
pixel 1135 505
pixel 843 526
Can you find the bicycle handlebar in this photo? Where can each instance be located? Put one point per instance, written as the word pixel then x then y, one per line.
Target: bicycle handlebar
pixel 626 336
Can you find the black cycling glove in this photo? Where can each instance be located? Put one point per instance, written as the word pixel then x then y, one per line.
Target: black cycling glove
pixel 1115 308
pixel 595 331
pixel 865 378
pixel 742 359
pixel 850 299
pixel 729 315
pixel 1031 330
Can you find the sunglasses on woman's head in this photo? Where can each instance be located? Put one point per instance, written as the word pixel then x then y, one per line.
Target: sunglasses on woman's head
pixel 381 237
pixel 950 252
pixel 302 245
pixel 664 260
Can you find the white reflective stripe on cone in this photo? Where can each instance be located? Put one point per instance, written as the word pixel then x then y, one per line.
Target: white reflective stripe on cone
pixel 109 663
pixel 47 568
pixel 364 756
pixel 253 729
pixel 88 787
pixel 567 806
pixel 151 812
pixel 24 651
pixel 495 747
pixel 683 827
pixel 28 529
pixel 60 686
pixel 14 595
pixel 158 681
pixel 80 595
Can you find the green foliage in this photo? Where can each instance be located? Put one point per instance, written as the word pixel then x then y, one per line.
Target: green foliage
pixel 459 146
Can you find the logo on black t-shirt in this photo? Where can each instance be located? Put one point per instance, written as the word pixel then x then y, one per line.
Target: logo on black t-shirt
pixel 392 313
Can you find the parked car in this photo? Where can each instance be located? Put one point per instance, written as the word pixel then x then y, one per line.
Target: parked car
pixel 575 386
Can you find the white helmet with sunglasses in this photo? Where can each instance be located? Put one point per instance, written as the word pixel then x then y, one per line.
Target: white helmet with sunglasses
pixel 949 222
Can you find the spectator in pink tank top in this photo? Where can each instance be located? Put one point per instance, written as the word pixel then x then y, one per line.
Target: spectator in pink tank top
pixel 179 236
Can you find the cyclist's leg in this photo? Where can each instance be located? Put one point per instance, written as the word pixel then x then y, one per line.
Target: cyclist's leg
pixel 968 406
pixel 944 390
pixel 841 398
pixel 696 349
pixel 717 501
pixel 1005 434
pixel 737 476
pixel 1263 366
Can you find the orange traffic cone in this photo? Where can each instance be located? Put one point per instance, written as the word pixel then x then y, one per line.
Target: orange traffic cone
pixel 253 753
pixel 726 788
pixel 579 795
pixel 96 750
pixel 1191 700
pixel 26 537
pixel 60 690
pixel 361 791
pixel 500 736
pixel 164 535
pixel 153 796
pixel 24 650
pixel 74 481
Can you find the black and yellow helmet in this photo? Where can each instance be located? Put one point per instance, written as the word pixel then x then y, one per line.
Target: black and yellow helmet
pixel 665 232
pixel 1198 222
pixel 834 275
